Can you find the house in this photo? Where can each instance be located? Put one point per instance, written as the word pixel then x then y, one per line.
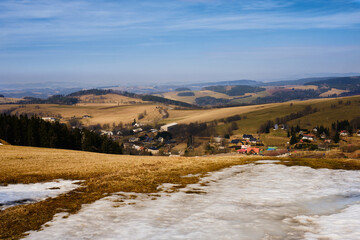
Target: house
pixel 309 137
pixel 49 119
pixel 358 133
pixel 344 133
pixel 245 146
pixel 86 116
pixel 167 127
pixel 218 139
pixel 276 126
pixel 137 130
pixel 253 150
pixel 108 133
pixel 323 136
pixel 253 140
pixel 236 142
pixel 327 141
pixel 241 151
pixel 138 148
pixel 247 137
pixel 153 150
pixel 133 139
pixel 137 125
pixel 271 149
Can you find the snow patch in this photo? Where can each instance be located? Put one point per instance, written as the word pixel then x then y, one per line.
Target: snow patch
pixel 254 201
pixel 15 194
pixel 267 161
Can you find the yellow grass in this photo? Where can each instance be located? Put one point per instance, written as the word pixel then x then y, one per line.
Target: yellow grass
pixel 302 87
pixel 103 175
pixel 332 92
pixel 9 100
pixel 191 99
pixel 188 116
pixel 104 113
pixel 108 98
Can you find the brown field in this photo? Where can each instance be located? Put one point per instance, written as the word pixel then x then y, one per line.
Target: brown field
pixel 188 116
pixel 302 87
pixel 101 113
pixel 191 99
pixel 204 93
pixel 332 92
pixel 9 100
pixel 109 98
pixel 104 175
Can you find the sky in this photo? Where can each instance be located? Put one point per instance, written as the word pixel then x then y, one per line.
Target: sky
pixel 173 41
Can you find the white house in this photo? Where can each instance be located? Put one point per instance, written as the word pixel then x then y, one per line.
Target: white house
pixel 49 119
pixel 167 127
pixel 108 133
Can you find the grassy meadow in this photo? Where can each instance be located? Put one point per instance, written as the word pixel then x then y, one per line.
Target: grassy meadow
pixel 329 111
pixel 101 113
pixel 104 175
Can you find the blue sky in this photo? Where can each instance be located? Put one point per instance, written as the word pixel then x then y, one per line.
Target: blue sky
pixel 106 42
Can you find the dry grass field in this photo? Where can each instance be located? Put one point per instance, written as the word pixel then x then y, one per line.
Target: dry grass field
pixel 263 111
pixel 191 99
pixel 101 113
pixel 208 93
pixel 188 116
pixel 104 175
pixel 109 98
pixel 332 92
pixel 108 113
pixel 329 111
pixel 302 87
pixel 9 100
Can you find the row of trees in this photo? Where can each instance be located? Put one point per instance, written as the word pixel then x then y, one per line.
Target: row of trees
pixel 33 131
pixel 237 90
pixel 284 96
pixel 307 111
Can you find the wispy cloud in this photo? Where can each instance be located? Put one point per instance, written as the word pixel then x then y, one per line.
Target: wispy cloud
pixel 89 18
pixel 177 34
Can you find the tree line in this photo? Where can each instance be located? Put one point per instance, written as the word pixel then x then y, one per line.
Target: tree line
pixel 33 131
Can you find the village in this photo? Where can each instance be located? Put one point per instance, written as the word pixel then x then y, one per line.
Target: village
pixel 147 140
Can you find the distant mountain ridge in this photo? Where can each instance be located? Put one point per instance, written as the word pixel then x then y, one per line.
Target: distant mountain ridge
pixel 20 91
pixel 344 83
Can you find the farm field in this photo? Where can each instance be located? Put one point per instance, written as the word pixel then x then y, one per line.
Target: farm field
pixel 188 116
pixel 9 100
pixel 329 111
pixel 110 112
pixel 108 98
pixel 246 98
pixel 256 114
pixel 106 174
pixel 101 113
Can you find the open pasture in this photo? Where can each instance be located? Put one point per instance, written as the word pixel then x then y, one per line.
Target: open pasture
pixel 103 175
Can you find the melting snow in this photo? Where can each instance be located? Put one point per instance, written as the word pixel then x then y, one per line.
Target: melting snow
pixel 254 201
pixel 267 161
pixel 15 194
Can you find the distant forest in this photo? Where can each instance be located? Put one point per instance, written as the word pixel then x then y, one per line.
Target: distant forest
pixel 237 90
pixel 344 83
pixel 152 98
pixel 186 94
pixel 33 131
pixel 284 96
pixel 211 101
